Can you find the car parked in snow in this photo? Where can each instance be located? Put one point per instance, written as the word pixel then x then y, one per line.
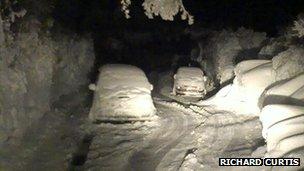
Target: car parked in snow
pixel 123 92
pixel 190 81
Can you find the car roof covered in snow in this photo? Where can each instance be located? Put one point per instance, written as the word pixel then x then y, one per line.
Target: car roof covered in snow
pixel 121 75
pixel 189 72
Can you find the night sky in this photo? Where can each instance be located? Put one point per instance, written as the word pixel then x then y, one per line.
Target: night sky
pixel 261 15
pixel 106 22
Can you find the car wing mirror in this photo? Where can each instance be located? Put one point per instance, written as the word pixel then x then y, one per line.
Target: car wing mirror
pixel 92 87
pixel 205 78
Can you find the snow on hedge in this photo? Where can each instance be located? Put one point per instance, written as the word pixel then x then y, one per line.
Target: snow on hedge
pixel 289 63
pixel 220 52
pixel 273 47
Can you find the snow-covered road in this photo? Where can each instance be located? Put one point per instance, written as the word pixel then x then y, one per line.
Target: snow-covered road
pixel 174 126
pixel 167 143
pixel 139 146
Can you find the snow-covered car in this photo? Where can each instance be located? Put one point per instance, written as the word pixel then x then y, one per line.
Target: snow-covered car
pixel 123 92
pixel 190 81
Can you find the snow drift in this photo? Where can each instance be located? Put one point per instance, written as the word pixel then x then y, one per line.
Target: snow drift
pixel 283 128
pixel 252 78
pixel 290 91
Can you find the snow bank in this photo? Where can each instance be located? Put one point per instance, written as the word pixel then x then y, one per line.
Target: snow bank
pixel 255 79
pixel 283 128
pixel 230 98
pixel 282 117
pixel 245 66
pixel 242 97
pixel 290 91
pixel 252 78
pixel 122 93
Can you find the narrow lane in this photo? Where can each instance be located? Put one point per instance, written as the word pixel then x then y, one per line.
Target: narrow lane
pixel 174 126
pixel 166 143
pixel 140 145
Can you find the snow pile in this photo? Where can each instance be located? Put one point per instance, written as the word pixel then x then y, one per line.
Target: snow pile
pixel 282 117
pixel 254 76
pixel 122 93
pixel 246 66
pixel 242 97
pixel 283 128
pixel 289 63
pixel 252 81
pixel 290 91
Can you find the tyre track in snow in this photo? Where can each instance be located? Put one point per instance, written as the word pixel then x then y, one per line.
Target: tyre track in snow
pixel 174 126
pixel 165 145
pixel 217 134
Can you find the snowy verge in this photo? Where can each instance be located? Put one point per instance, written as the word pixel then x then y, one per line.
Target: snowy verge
pixel 290 91
pixel 241 97
pixel 283 128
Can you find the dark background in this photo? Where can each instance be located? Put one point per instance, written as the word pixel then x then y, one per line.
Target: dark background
pixel 108 26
